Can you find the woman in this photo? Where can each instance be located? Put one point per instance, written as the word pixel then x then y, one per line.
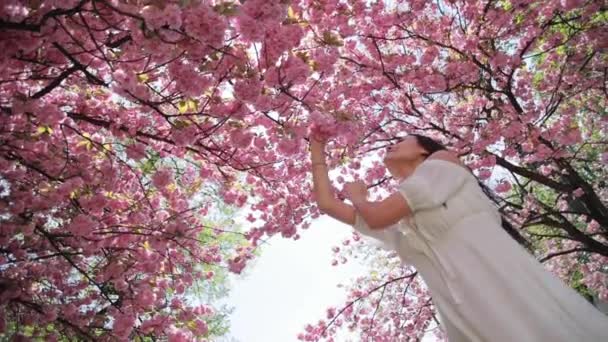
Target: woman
pixel 485 286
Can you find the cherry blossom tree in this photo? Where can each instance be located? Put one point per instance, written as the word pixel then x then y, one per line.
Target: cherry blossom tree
pixel 125 122
pixel 519 88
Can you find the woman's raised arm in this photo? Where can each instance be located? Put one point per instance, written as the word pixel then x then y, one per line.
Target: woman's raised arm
pixel 326 199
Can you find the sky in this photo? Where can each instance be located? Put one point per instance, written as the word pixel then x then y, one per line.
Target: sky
pixel 291 284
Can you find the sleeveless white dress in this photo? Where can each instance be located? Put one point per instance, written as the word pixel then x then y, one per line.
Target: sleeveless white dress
pixel 485 286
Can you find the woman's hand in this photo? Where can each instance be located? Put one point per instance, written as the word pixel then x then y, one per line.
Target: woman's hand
pixel 317 149
pixel 355 191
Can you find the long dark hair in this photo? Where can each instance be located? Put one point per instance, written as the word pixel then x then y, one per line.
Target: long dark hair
pixel 431 146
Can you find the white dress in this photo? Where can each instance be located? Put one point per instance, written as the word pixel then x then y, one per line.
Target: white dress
pixel 485 285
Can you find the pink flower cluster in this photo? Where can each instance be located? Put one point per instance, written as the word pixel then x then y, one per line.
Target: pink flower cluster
pixel 258 16
pixel 127 128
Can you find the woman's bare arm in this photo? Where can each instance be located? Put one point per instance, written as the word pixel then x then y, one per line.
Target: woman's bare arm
pixel 323 191
pixel 377 215
pixel 381 214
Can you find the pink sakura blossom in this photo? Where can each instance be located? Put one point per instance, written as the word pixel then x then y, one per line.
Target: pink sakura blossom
pixel 248 89
pixel 50 115
pixel 570 4
pixel 265 11
pixel 201 327
pixel 119 131
pixel 162 178
pixel 123 324
pixel 325 60
pixel 295 70
pixel 136 151
pixel 434 83
pixel 331 312
pixel 503 186
pixel 146 297
pixel 204 24
pixel 185 136
pixel 190 82
pixel 604 158
pixel 288 146
pixel 593 226
pixel 429 55
pixel 82 225
pixel 237 264
pixel 156 18
pixel 280 38
pixel 180 335
pixel 484 174
pixel 249 28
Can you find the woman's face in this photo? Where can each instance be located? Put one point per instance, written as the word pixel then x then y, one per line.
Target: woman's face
pixel 407 150
pixel 402 158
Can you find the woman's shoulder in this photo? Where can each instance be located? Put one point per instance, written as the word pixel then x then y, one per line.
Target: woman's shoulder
pixel 445 157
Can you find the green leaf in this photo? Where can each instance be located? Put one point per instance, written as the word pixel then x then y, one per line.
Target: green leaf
pixel 188 105
pixel 538 78
pixel 143 78
pixel 228 8
pixel 332 39
pixel 28 331
pixel 43 129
